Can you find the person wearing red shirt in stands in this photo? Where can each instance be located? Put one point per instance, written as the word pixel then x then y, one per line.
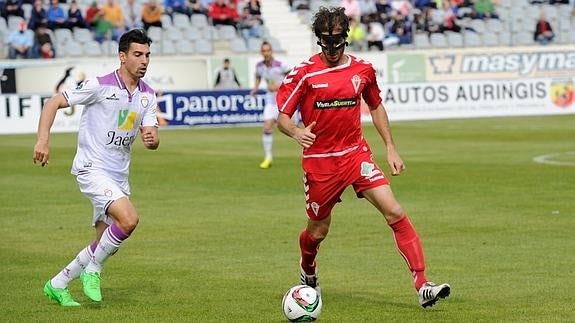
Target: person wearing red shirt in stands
pixel 93 13
pixel 328 89
pixel 543 33
pixel 223 13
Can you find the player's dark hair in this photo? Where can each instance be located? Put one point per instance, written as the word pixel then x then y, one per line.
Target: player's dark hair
pixel 325 19
pixel 265 42
pixel 133 36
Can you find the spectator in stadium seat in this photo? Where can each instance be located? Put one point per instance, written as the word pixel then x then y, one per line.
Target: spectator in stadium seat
pixel 543 33
pixel 384 10
pixel 404 7
pixel 37 15
pixel 484 9
pixel 449 17
pixel 398 30
pixel 176 6
pixel 375 34
pixel 152 14
pixel 196 7
pixel 113 14
pixel 133 14
pixel 12 8
pixel 422 4
pixel 426 23
pixel 255 7
pixel 75 17
pixel 20 42
pixel 43 45
pixel 357 35
pixel 249 24
pixel 93 14
pixel 223 13
pixel 56 16
pixel 352 9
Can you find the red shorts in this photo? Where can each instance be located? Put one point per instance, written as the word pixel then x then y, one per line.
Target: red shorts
pixel 326 178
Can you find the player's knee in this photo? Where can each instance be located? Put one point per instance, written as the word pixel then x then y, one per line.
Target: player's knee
pixel 318 233
pixel 129 223
pixel 393 214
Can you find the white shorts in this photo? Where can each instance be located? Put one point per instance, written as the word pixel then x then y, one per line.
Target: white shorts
pixel 102 190
pixel 271 112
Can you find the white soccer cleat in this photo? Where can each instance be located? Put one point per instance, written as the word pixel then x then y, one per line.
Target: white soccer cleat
pixel 309 280
pixel 430 293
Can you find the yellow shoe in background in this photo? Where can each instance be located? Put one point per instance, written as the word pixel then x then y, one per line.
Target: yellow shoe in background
pixel 267 163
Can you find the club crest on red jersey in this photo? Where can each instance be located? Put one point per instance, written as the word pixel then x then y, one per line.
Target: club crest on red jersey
pixel 356 82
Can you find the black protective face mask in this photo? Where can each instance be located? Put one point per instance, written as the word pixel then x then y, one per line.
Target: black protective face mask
pixel 333 43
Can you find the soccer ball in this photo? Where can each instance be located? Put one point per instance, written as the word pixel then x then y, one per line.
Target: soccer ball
pixel 301 303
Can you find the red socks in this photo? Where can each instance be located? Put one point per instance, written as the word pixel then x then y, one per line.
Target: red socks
pixel 409 246
pixel 406 239
pixel 308 246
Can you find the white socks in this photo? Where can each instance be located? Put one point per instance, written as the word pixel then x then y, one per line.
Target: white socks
pixel 109 243
pixel 74 268
pixel 267 140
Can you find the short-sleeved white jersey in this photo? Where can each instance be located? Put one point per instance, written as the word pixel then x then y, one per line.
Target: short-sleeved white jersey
pixel 110 123
pixel 273 74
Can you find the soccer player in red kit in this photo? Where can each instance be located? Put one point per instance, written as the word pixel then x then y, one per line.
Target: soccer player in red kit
pixel 328 89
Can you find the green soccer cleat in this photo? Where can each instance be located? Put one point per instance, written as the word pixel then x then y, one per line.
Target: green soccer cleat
pixel 91 285
pixel 60 295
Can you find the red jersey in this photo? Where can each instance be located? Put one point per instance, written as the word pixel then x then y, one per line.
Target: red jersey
pixel 330 96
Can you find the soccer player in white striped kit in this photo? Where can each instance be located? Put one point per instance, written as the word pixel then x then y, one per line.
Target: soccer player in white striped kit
pixel 117 107
pixel 271 71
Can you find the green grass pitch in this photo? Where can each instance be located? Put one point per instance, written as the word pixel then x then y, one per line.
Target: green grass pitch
pixel 217 240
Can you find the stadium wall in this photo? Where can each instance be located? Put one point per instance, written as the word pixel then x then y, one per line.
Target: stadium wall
pixel 431 84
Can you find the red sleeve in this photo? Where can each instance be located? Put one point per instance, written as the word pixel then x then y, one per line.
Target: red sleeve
pixel 371 92
pixel 290 92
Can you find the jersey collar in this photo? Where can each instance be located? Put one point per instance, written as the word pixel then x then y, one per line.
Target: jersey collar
pixel 121 83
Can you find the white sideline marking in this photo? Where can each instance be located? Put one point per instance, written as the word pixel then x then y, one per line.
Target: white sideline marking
pixel 548 159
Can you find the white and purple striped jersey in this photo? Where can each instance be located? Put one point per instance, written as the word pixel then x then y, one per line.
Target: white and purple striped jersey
pixel 274 74
pixel 110 123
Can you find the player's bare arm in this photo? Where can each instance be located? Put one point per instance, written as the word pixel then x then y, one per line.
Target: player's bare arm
pixel 41 149
pixel 381 123
pixel 304 136
pixel 150 137
pixel 256 86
